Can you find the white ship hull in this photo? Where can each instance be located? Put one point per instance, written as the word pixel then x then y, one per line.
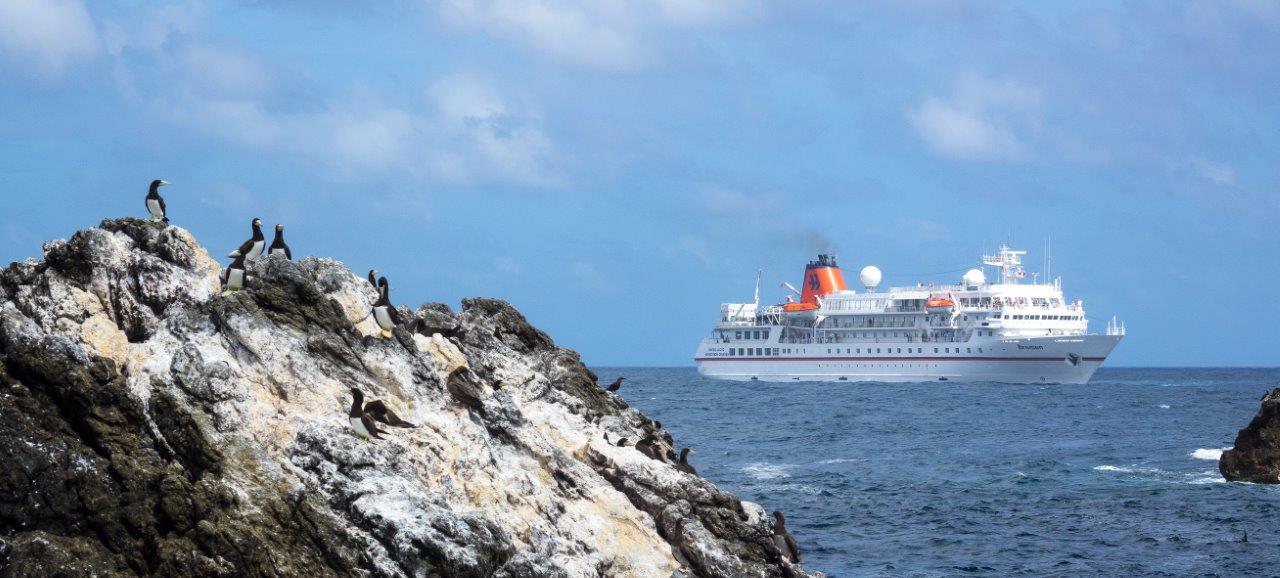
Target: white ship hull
pixel 1027 360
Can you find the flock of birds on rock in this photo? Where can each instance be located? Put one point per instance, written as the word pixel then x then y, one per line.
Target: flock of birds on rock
pixel 460 384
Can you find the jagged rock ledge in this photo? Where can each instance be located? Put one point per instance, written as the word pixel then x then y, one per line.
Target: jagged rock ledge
pixel 1256 455
pixel 151 426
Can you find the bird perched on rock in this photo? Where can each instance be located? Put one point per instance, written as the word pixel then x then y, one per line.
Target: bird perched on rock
pixel 234 276
pixel 649 449
pixel 617 383
pixel 783 540
pixel 464 389
pixel 373 278
pixel 278 247
pixel 252 248
pixel 155 203
pixel 386 314
pixel 684 464
pixel 360 421
pixel 379 411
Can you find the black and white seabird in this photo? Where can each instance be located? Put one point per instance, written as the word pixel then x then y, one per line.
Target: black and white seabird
pixel 617 383
pixel 783 540
pixel 684 464
pixel 278 247
pixel 155 202
pixel 379 411
pixel 373 278
pixel 234 276
pixel 360 421
pixel 252 248
pixel 464 389
pixel 383 311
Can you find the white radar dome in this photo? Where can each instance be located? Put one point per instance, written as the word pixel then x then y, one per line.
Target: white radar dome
pixel 870 277
pixel 974 277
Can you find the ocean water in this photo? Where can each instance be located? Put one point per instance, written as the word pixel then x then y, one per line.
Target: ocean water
pixel 1115 478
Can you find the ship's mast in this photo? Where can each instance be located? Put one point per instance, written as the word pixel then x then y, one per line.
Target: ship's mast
pixel 1009 262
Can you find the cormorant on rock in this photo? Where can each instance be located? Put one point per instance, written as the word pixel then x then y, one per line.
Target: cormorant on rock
pixel 278 246
pixel 360 421
pixel 783 540
pixel 252 248
pixel 617 383
pixel 155 203
pixel 379 411
pixel 234 276
pixel 463 389
pixel 373 278
pixel 657 425
pixel 383 311
pixel 684 464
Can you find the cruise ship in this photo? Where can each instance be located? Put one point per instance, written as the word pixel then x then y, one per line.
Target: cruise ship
pixel 1011 331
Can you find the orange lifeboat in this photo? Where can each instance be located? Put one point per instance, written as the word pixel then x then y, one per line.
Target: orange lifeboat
pixel 937 304
pixel 802 306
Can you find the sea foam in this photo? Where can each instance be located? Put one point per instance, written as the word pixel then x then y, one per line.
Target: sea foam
pixel 1208 454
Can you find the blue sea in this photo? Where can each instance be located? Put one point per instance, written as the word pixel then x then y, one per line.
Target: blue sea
pixel 1117 477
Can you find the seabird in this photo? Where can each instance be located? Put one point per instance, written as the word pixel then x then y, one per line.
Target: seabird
pixel 622 442
pixel 615 385
pixel 379 411
pixel 155 203
pixel 647 448
pixel 234 276
pixel 360 421
pixel 463 389
pixel 1245 537
pixel 684 464
pixel 383 311
pixel 783 540
pixel 252 248
pixel 373 278
pixel 278 246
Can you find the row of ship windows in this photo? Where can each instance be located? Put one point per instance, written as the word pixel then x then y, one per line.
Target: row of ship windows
pixel 768 351
pixel 1044 317
pixel 752 334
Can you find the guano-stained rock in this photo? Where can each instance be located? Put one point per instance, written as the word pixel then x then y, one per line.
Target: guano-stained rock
pixel 153 426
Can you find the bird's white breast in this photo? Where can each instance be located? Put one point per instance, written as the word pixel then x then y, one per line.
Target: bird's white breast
pixel 279 251
pixel 358 425
pixel 383 317
pixel 256 250
pixel 235 278
pixel 153 205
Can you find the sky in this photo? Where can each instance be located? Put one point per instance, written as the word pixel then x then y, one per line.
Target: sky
pixel 618 168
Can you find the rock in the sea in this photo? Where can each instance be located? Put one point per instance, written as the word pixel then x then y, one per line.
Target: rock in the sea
pixel 150 425
pixel 1256 455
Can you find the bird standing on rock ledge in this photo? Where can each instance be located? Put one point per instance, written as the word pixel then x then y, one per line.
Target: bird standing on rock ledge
pixel 278 247
pixel 252 248
pixel 383 311
pixel 155 203
pixel 234 276
pixel 783 540
pixel 617 383
pixel 360 421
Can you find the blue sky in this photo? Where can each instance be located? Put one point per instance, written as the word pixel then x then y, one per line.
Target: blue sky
pixel 617 168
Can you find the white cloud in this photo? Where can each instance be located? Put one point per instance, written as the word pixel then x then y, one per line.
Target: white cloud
pixel 46 35
pixel 983 119
pixel 1218 173
pixel 604 34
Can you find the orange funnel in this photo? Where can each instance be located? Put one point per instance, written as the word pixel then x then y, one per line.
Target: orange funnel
pixel 821 276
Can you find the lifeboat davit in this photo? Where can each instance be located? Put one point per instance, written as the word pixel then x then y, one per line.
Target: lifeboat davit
pixel 939 304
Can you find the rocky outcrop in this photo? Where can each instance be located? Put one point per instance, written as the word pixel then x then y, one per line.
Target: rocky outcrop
pixel 150 425
pixel 1256 455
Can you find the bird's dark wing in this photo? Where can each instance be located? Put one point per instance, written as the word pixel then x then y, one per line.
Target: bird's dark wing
pixel 287 253
pixel 793 547
pixel 368 424
pixel 380 412
pixel 394 314
pixel 244 248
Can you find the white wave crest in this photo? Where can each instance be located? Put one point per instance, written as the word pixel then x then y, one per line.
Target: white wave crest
pixel 1208 454
pixel 766 471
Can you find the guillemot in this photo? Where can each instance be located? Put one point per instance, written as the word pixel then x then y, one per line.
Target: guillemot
pixel 684 464
pixel 383 311
pixel 278 246
pixel 252 248
pixel 783 540
pixel 155 203
pixel 234 276
pixel 617 383
pixel 379 411
pixel 359 420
